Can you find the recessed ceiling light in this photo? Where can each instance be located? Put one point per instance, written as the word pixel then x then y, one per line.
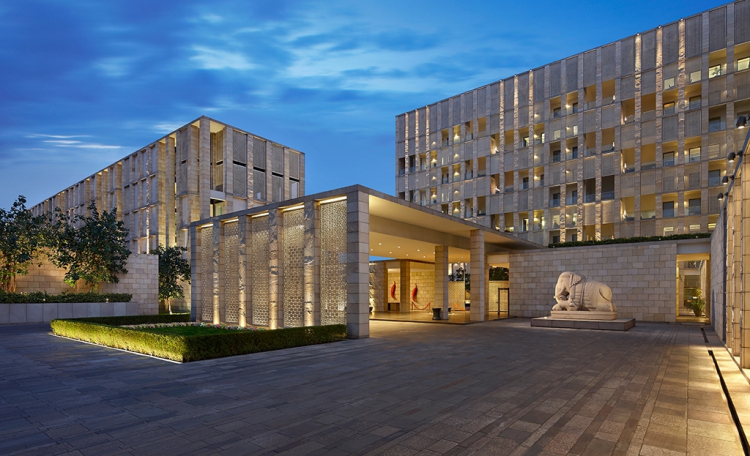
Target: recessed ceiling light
pixel 390 252
pixel 380 243
pixel 424 257
pixel 398 246
pixel 417 250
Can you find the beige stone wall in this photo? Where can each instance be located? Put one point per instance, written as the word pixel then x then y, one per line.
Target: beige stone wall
pixel 493 286
pixel 142 281
pixel 641 275
pixel 424 280
pixel 718 283
pixel 456 294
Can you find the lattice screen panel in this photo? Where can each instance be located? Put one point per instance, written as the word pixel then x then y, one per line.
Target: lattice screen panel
pixel 259 273
pixel 207 276
pixel 333 263
pixel 293 242
pixel 231 273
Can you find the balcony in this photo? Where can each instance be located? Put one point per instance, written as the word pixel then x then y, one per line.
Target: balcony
pixel 571 200
pixel 554 203
pixel 667 213
pixel 628 119
pixel 401 171
pixel 509 189
pixel 469 175
pixel 716 125
pixel 648 165
pixel 628 217
pixel 694 210
pixel 589 198
pixel 589 152
pixel 606 196
pixel 648 215
pixel 648 115
pixel 481 213
pixel 608 148
pixel 628 168
pixel 444 143
pixel 668 162
pixel 714 181
pixel 468 136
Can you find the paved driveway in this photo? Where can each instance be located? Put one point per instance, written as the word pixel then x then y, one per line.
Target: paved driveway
pixel 492 388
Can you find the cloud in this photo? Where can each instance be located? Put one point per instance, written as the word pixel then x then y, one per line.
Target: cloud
pixel 217 59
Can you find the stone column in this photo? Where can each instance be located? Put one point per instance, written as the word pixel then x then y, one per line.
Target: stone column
pixel 358 266
pixel 404 286
pixel 275 279
pixel 311 264
pixel 195 274
pixel 745 252
pixel 217 268
pixel 243 260
pixel 228 158
pixel 478 273
pixel 169 192
pixel 441 279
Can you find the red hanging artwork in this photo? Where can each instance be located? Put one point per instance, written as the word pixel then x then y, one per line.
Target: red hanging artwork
pixel 414 293
pixel 393 290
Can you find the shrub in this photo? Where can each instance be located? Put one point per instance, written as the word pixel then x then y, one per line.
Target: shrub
pixel 674 237
pixel 136 319
pixel 194 348
pixel 42 296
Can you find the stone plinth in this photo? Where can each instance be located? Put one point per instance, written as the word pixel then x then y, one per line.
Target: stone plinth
pixel 620 324
pixel 583 315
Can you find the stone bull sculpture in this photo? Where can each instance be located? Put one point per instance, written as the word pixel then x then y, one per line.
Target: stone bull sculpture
pixel 575 292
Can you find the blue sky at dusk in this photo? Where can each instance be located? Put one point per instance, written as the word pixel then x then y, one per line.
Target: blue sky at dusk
pixel 84 83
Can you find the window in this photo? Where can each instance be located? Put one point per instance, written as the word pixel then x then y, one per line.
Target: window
pixel 668 159
pixel 541 180
pixel 695 227
pixel 574 108
pixel 555 238
pixel 573 153
pixel 555 201
pixel 555 156
pixel 669 108
pixel 715 124
pixel 695 76
pixel 743 64
pixel 525 141
pixel 668 83
pixel 525 224
pixel 714 178
pixel 695 102
pixel 556 113
pixel 574 238
pixel 668 230
pixel 694 206
pixel 667 209
pixel 714 71
pixel 694 155
pixel 524 183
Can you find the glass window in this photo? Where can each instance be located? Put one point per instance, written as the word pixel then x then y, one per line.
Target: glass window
pixel 694 206
pixel 695 76
pixel 669 108
pixel 556 113
pixel 555 156
pixel 574 152
pixel 714 178
pixel 667 209
pixel 695 102
pixel 555 202
pixel 743 64
pixel 694 155
pixel 714 71
pixel 668 159
pixel 668 83
pixel 524 183
pixel 525 141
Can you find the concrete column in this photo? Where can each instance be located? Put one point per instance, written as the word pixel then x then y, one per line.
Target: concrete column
pixel 216 269
pixel 358 267
pixel 745 259
pixel 243 260
pixel 228 157
pixel 736 200
pixel 203 199
pixel 478 276
pixel 404 286
pixel 441 279
pixel 311 264
pixel 195 274
pixel 275 279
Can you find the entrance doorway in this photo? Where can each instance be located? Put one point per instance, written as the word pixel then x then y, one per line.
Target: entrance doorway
pixel 499 306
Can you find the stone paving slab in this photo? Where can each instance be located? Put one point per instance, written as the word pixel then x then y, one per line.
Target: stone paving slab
pixel 499 387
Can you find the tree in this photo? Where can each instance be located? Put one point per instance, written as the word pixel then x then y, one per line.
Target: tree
pixel 172 269
pixel 22 236
pixel 95 252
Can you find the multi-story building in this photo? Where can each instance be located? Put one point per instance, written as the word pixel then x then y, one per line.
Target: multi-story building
pixel 628 139
pixel 202 169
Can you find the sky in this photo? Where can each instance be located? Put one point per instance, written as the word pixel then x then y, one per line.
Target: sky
pixel 85 83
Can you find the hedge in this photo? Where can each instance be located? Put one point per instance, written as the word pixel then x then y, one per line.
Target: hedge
pixel 194 348
pixel 674 237
pixel 43 296
pixel 137 319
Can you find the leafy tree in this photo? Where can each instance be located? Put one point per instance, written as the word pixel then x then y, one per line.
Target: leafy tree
pixel 172 269
pixel 95 252
pixel 22 236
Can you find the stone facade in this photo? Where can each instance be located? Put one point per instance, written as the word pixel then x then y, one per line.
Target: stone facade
pixel 141 281
pixel 627 139
pixel 641 275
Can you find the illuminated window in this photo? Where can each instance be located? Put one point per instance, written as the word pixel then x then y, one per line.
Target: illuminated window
pixel 714 71
pixel 743 64
pixel 668 108
pixel 668 83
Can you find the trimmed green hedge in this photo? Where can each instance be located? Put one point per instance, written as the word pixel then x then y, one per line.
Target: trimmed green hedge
pixel 42 296
pixel 194 348
pixel 674 237
pixel 137 319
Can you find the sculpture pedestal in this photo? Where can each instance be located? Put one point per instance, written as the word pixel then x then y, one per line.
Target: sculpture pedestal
pixel 620 324
pixel 582 315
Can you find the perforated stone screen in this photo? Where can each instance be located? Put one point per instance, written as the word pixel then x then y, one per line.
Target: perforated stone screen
pixel 333 263
pixel 207 282
pixel 259 274
pixel 293 242
pixel 231 273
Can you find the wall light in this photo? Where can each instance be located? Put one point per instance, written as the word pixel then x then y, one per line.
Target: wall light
pixel 741 122
pixel 730 157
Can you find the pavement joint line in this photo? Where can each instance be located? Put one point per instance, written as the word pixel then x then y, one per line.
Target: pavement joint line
pixel 118 349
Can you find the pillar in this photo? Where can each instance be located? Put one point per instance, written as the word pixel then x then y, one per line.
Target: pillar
pixel 275 279
pixel 478 276
pixel 404 286
pixel 201 202
pixel 441 279
pixel 243 260
pixel 358 265
pixel 311 264
pixel 195 274
pixel 169 191
pixel 745 252
pixel 216 269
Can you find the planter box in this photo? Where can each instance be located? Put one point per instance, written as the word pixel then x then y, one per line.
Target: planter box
pixel 47 311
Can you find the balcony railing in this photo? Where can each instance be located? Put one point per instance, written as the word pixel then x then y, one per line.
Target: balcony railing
pixel 648 115
pixel 628 169
pixel 694 210
pixel 628 119
pixel 509 189
pixel 554 203
pixel 648 165
pixel 714 181
pixel 444 143
pixel 481 212
pixel 716 126
pixel 589 152
pixel 648 215
pixel 570 200
pixel 627 217
pixel 607 148
pixel 606 196
pixel 667 213
pixel 589 198
pixel 468 136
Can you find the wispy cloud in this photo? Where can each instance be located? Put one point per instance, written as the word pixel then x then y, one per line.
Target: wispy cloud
pixel 217 59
